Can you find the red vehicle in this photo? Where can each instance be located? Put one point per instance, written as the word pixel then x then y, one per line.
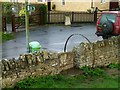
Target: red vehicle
pixel 108 24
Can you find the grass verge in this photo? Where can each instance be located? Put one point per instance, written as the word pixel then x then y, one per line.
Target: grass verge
pixel 61 81
pixel 91 78
pixel 6 36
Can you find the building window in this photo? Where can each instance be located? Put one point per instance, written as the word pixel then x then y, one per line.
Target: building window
pixel 63 2
pixel 102 1
pixel 41 0
pixel 13 0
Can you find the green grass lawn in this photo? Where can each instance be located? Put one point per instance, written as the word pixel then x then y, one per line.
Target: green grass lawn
pixel 61 81
pixel 6 36
pixel 70 81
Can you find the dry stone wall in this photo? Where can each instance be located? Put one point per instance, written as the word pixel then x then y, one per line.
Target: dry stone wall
pixel 34 65
pixel 100 53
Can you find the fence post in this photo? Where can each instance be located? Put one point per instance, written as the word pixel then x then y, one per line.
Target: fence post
pixel 40 18
pixel 72 21
pixel 48 17
pixel 4 24
pixel 13 23
pixel 95 16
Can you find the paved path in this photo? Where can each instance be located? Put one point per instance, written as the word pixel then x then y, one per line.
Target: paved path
pixel 51 37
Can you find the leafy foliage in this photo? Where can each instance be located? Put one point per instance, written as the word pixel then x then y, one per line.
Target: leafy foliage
pixel 113 65
pixel 45 81
pixel 43 8
pixel 7 8
pixel 6 36
pixel 92 71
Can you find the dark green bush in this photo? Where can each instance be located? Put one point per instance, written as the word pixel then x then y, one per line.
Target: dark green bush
pixel 43 8
pixel 7 11
pixel 6 8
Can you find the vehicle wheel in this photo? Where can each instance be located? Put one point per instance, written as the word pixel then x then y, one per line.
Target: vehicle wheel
pixel 107 28
pixel 105 37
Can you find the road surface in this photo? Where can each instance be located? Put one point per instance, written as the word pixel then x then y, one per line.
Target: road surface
pixel 51 37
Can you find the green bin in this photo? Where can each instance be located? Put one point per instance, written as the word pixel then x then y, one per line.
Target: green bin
pixel 34 46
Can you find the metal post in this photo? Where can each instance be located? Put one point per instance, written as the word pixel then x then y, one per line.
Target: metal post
pixel 4 29
pixel 13 23
pixel 95 15
pixel 27 25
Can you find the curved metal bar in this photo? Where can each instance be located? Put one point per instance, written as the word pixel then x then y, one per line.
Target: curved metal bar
pixel 78 35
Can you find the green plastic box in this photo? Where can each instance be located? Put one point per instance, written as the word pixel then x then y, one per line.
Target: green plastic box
pixel 34 46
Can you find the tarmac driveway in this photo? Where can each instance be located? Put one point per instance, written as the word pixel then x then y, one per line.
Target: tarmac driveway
pixel 51 37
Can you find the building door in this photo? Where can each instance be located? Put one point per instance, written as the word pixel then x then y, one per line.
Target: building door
pixel 49 6
pixel 114 4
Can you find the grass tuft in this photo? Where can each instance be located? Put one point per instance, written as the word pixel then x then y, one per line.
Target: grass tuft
pixel 6 36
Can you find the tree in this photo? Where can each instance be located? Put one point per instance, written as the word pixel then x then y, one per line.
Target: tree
pixel 7 8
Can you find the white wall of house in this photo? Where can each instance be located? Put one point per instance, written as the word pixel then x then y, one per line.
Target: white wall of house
pixel 102 4
pixel 72 5
pixel 23 1
pixel 80 5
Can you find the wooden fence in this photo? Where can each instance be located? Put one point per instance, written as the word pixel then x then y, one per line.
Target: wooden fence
pixel 16 22
pixel 37 19
pixel 51 17
pixel 75 17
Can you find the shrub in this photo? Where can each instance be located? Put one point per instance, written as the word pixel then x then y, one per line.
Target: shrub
pixel 7 10
pixel 43 80
pixel 7 36
pixel 43 8
pixel 113 65
pixel 92 71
